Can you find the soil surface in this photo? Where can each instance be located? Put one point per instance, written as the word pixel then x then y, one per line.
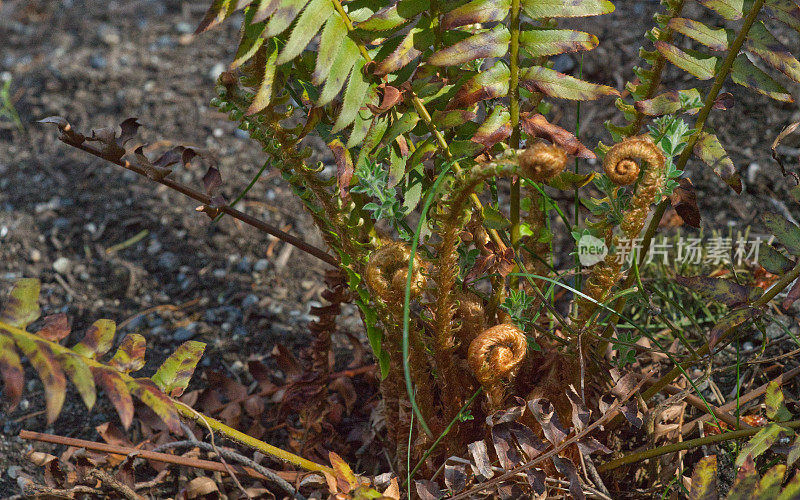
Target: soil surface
pixel 109 244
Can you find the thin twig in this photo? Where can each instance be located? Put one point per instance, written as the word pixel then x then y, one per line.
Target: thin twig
pixel 206 200
pixel 146 454
pixel 224 453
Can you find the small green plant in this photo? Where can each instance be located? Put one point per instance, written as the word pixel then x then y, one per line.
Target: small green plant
pixel 7 109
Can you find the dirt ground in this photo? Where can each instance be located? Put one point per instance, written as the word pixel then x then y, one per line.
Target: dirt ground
pixel 97 62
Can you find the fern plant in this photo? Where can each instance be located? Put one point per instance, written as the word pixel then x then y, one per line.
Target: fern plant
pixel 435 115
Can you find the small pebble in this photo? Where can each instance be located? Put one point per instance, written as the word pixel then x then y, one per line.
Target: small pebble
pixel 244 265
pixel 169 261
pixel 36 255
pixel 98 61
pixel 249 301
pixel 183 334
pixel 261 265
pixel 154 247
pixel 62 265
pixel 215 71
pixel 184 28
pixel 219 273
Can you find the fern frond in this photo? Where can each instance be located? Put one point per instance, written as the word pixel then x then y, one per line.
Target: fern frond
pixel 81 363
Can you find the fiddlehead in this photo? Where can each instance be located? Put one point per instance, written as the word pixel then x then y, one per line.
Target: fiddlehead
pixel 542 161
pixel 495 356
pixel 625 157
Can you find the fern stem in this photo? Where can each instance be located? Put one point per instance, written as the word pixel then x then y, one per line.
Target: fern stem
pixel 513 108
pixel 719 81
pixel 249 441
pixel 658 68
pixel 702 116
pixel 686 445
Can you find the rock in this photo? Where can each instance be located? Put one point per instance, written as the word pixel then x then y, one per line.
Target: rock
pixel 168 261
pixel 215 71
pixel 241 134
pixel 183 334
pixel 36 255
pixel 219 273
pixel 249 301
pixel 98 61
pixel 244 265
pixel 154 247
pixel 109 35
pixel 261 265
pixel 62 265
pixel 184 28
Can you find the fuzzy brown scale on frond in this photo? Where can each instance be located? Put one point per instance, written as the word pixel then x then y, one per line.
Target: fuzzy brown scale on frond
pixel 542 161
pixel 387 273
pixel 495 356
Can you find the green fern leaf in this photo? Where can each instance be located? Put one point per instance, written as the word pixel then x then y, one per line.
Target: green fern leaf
pixel 476 11
pixel 761 442
pixel 251 39
pixel 729 9
pixel 98 339
pixel 308 24
pixel 265 9
pixel 49 370
pixel 491 43
pixel 747 75
pixel 539 9
pixel 394 16
pixel 218 12
pixel 546 42
pixel 285 12
pixel 772 260
pixel 712 153
pixel 792 490
pixel 362 122
pixel 668 102
pixel 330 42
pixel 555 84
pixel 173 375
pixel 355 96
pixel 785 11
pixel 488 84
pixel 770 484
pixel 713 38
pixel 149 394
pixel 22 307
pixel 345 60
pixel 494 129
pixel 404 53
pixel 81 377
pixel 786 232
pixel 702 66
pixel 264 94
pixel 763 44
pixel 130 354
pixel 448 119
pixel 704 479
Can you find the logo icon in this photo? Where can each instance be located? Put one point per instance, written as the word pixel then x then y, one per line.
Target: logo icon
pixel 591 250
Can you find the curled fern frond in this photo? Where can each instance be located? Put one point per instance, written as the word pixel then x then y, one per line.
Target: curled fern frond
pixel 542 162
pixel 494 356
pixel 54 362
